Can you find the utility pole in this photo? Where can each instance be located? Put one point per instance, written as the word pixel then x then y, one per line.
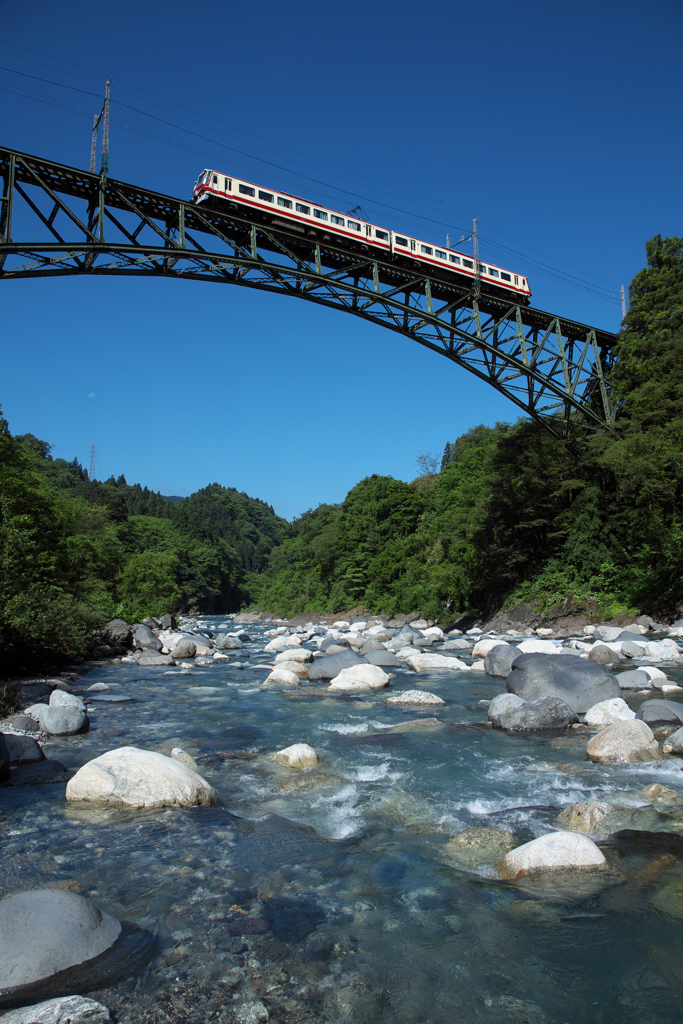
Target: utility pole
pixel 104 117
pixel 477 268
pixel 93 455
pixel 623 303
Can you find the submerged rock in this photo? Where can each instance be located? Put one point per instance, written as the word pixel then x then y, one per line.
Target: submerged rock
pixel 558 851
pixel 415 697
pixel 63 1010
pixel 130 777
pixel 585 817
pixel 577 682
pixel 478 847
pixel 46 931
pixel 625 741
pixel 299 755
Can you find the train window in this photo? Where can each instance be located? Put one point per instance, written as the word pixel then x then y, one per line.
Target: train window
pixel 246 190
pixel 400 241
pixel 384 235
pixel 524 282
pixel 492 272
pixel 468 263
pixel 300 208
pixel 506 277
pixel 482 268
pixel 267 197
pixel 287 203
pixel 412 245
pixel 440 253
pixel 454 259
pixel 228 185
pixel 320 214
pixel 353 224
pixel 337 220
pixel 215 179
pixel 428 249
pixel 516 280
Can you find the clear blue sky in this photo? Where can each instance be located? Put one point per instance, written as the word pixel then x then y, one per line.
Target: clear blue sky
pixel 558 125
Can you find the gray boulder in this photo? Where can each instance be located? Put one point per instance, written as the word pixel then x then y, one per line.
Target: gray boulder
pixel 673 744
pixel 149 657
pixel 63 1010
pixel 329 641
pixel 20 749
pixel 330 666
pixel 152 622
pixel 145 638
pixel 576 681
pixel 601 655
pixel 501 705
pixel 65 715
pixel 45 931
pixel 385 659
pixel 119 632
pixel 498 662
pixel 632 649
pixel 168 621
pixel 457 645
pixel 627 635
pixel 185 649
pixel 634 679
pixel 536 715
pixel 660 712
pixel 372 645
pixel 228 643
pixel 608 634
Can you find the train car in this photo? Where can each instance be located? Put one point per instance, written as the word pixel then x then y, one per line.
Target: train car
pixel 304 217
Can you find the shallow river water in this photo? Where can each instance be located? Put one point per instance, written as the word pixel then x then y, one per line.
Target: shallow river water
pixel 326 895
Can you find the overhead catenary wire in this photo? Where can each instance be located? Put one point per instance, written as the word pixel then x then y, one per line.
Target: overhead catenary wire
pixel 541 266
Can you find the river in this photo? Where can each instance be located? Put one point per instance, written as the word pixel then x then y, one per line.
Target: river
pixel 327 896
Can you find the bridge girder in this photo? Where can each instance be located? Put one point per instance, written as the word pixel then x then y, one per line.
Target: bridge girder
pixel 551 368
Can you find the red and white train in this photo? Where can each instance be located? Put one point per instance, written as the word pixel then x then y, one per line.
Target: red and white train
pixel 306 218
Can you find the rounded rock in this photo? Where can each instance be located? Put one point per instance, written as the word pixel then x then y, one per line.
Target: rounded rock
pixel 607 712
pixel 130 777
pixel 63 1010
pixel 360 677
pixel 624 741
pixel 299 755
pixel 558 851
pixel 46 931
pixel 281 677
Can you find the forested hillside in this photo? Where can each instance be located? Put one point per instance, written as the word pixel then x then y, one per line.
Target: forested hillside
pixel 76 552
pixel 516 514
pixel 512 514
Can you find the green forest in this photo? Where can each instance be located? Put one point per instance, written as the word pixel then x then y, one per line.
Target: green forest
pixel 511 514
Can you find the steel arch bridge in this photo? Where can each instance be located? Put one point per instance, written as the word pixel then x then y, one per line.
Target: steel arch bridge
pixel 57 220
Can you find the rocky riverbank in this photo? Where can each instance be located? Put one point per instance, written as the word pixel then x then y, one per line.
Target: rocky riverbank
pixel 266 814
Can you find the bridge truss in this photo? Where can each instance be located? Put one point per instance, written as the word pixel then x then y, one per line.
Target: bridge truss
pixel 57 220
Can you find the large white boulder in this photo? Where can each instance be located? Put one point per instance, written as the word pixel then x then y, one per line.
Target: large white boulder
pixel 624 741
pixel 430 662
pixel 415 697
pixel 299 755
pixel 130 777
pixel 482 647
pixel 360 677
pixel 607 712
pixel 556 851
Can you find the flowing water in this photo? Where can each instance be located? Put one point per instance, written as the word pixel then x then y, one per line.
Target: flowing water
pixel 328 895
